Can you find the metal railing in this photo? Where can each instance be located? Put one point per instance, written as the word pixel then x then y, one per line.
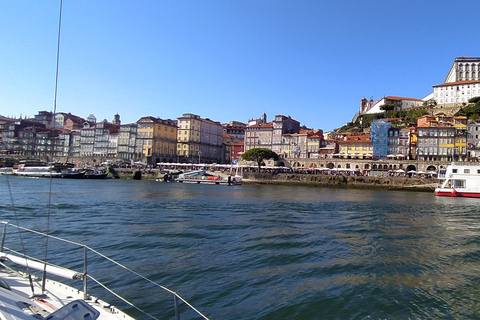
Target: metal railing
pixel 14 256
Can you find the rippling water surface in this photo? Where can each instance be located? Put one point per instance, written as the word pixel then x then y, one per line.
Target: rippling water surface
pixel 271 252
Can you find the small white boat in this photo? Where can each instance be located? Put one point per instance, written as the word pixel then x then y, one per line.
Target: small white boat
pixel 202 177
pixel 460 180
pixel 6 171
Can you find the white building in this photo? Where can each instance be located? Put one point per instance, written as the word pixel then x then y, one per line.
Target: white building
pixel 461 84
pixel 400 103
pixel 464 69
pixel 453 93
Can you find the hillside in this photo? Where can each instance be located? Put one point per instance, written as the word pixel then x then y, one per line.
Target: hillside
pixel 408 118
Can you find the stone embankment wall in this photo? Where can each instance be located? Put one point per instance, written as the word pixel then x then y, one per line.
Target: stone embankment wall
pixel 388 183
pixel 146 174
pixel 394 183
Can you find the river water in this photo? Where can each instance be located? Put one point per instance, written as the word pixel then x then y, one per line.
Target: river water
pixel 271 252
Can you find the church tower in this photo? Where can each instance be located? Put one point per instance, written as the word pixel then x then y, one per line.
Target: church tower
pixel 116 119
pixel 363 105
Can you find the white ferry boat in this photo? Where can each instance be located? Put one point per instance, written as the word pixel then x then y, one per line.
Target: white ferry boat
pixel 460 180
pixel 54 170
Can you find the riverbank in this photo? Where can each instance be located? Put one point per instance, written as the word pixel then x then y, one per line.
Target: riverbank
pixel 341 181
pixel 313 180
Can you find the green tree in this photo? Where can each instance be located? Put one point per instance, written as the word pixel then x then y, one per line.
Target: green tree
pixel 475 117
pixel 410 118
pixel 474 100
pixel 387 107
pixel 431 103
pixel 258 155
pixel 471 111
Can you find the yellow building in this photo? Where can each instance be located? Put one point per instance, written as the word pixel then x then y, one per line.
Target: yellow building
pixel 188 138
pixel 158 139
pixel 446 142
pixel 359 145
pixel 460 124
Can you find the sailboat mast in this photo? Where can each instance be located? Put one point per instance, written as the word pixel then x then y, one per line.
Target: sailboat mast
pixel 44 273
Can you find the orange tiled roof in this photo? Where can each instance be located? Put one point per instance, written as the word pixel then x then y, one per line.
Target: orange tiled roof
pixel 267 125
pixel 365 138
pixel 402 98
pixel 317 133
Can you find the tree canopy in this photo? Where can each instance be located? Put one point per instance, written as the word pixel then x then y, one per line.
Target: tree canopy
pixel 387 107
pixel 474 100
pixel 409 116
pixel 258 155
pixel 471 111
pixel 430 103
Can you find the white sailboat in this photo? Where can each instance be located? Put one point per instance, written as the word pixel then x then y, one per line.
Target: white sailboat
pixel 32 287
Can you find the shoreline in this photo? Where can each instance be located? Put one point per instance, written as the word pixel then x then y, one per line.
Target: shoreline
pixel 312 180
pixel 340 181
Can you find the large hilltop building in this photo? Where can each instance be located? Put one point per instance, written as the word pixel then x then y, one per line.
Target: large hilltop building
pixel 461 84
pixel 464 69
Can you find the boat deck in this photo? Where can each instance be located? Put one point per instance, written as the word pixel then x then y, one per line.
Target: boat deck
pixel 19 297
pixel 207 181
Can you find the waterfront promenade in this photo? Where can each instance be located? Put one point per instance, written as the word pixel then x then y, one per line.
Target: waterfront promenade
pixel 354 173
pixel 392 181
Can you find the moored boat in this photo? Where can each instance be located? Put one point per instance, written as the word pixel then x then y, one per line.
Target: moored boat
pixel 95 174
pixel 54 170
pixel 460 180
pixel 203 177
pixel 6 170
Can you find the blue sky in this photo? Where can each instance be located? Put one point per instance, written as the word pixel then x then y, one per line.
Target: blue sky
pixel 228 60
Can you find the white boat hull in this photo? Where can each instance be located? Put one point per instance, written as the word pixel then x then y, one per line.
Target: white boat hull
pixel 461 180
